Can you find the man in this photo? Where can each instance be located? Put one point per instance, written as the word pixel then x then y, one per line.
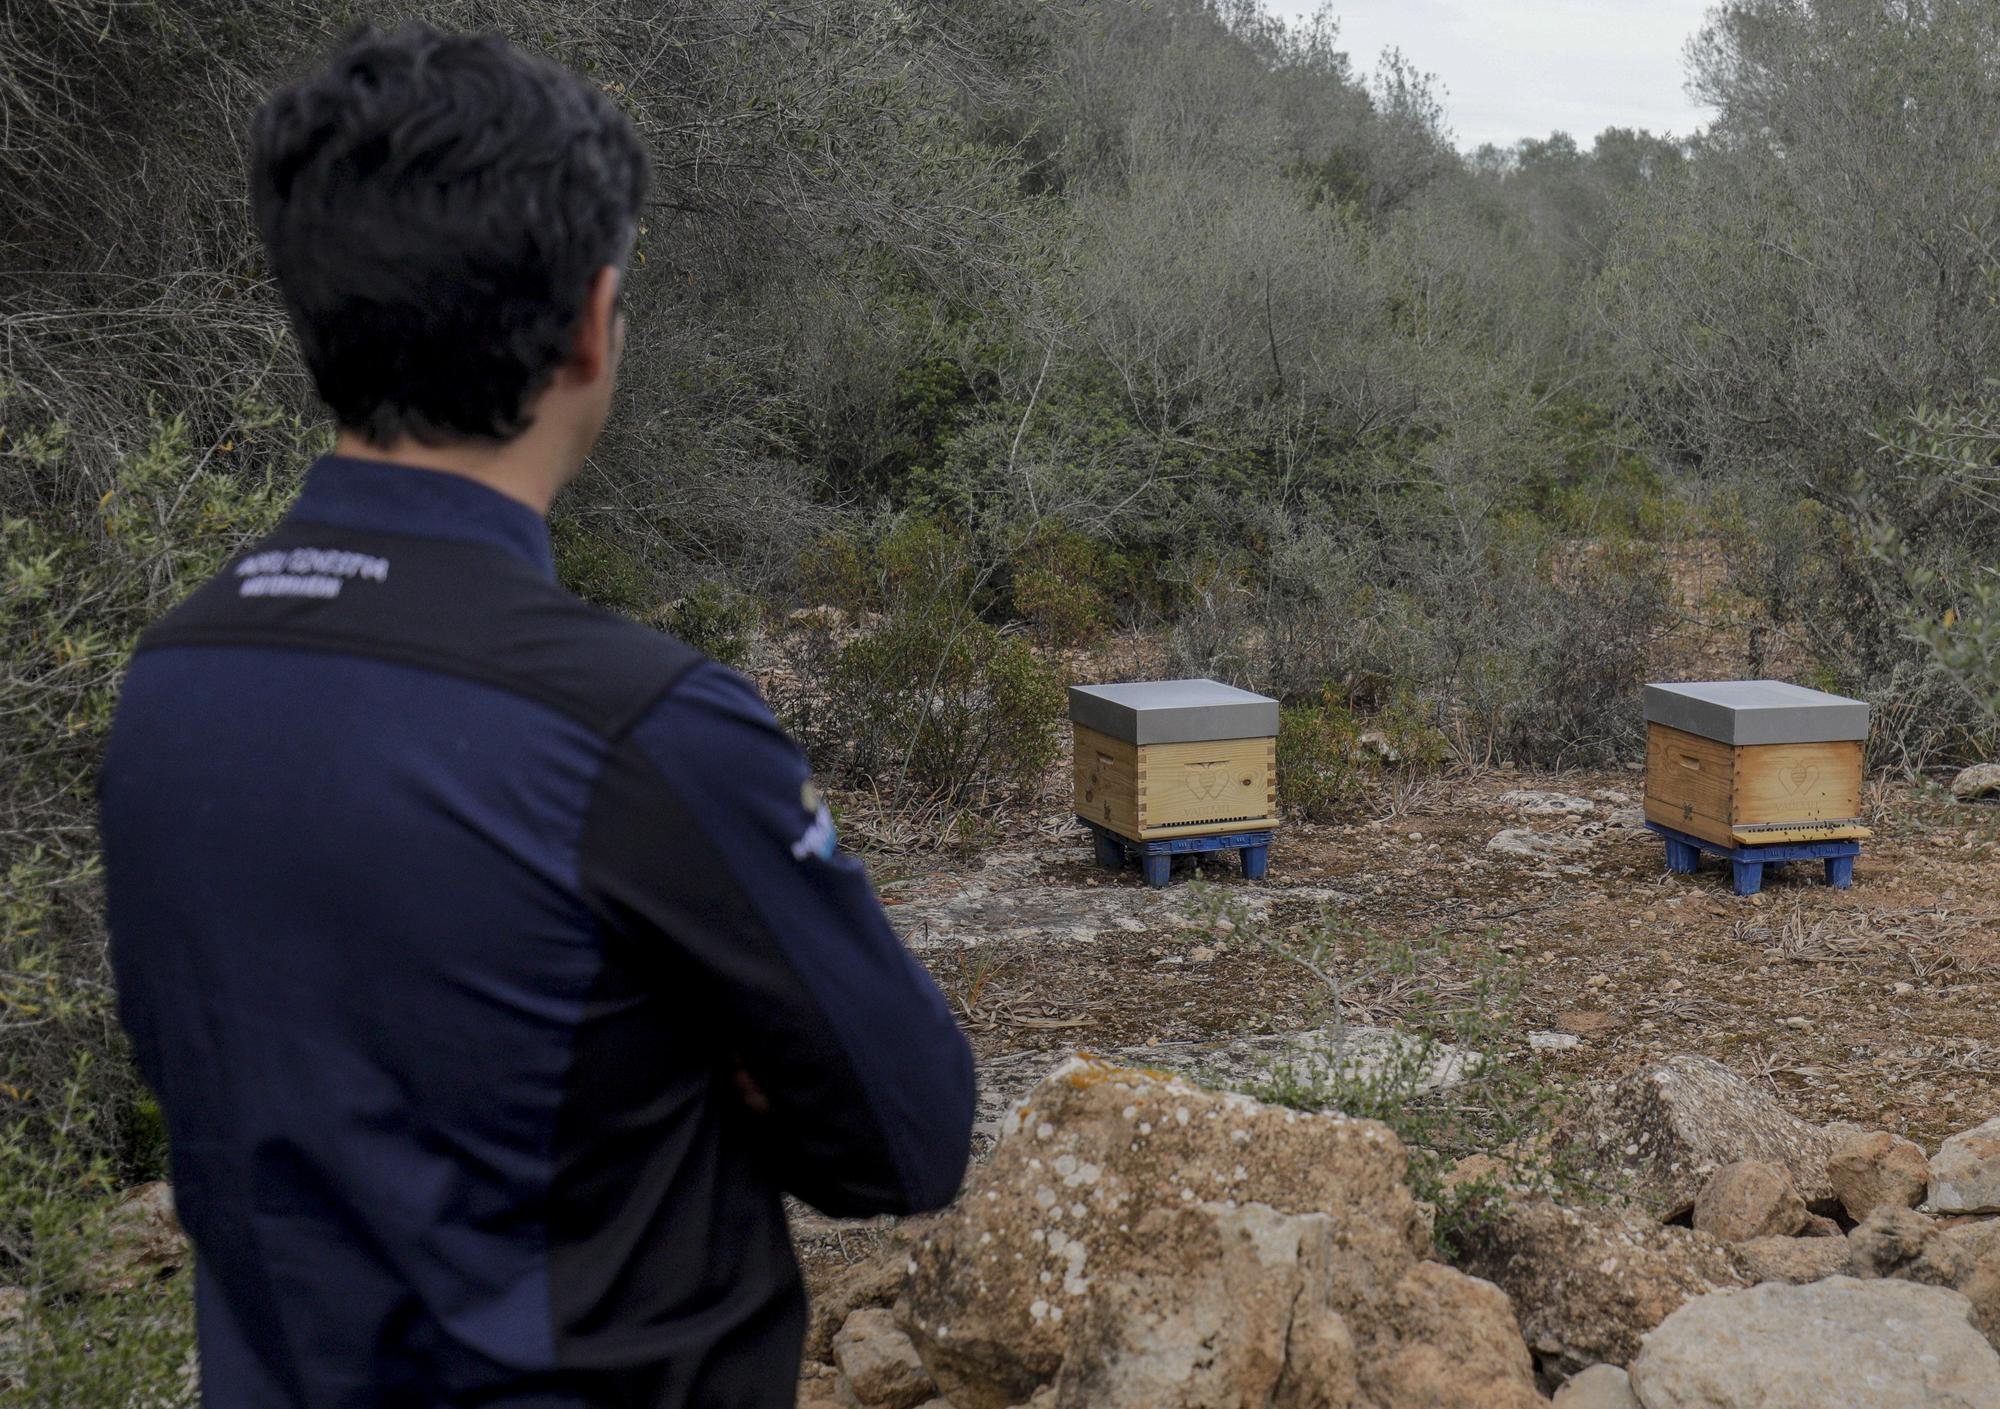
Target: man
pixel 492 957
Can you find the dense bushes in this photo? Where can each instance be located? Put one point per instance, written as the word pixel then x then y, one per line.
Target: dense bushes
pixel 1329 756
pixel 82 1334
pixel 901 683
pixel 1507 638
pixel 101 559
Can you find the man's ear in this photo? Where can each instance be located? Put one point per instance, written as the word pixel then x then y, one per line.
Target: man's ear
pixel 594 351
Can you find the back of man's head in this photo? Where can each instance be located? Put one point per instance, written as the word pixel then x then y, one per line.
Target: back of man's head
pixel 436 208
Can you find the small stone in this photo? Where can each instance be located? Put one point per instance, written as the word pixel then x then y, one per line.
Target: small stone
pixel 1599 1387
pixel 1749 1199
pixel 1794 1260
pixel 879 1363
pixel 1474 1168
pixel 1902 1243
pixel 876 1281
pixel 1902 988
pixel 1965 1174
pixel 1876 1169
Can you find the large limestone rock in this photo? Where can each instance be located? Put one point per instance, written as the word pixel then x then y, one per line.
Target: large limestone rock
pixel 1588 1283
pixel 1749 1199
pixel 1836 1344
pixel 1210 1319
pixel 1138 1241
pixel 1876 1170
pixel 1965 1174
pixel 1666 1128
pixel 1446 1341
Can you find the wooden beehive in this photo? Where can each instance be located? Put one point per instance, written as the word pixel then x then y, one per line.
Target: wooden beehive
pixel 1754 762
pixel 1175 758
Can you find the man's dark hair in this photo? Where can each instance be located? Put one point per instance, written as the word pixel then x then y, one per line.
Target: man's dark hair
pixel 435 207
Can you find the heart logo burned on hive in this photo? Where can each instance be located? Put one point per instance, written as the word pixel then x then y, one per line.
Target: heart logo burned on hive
pixel 1207 781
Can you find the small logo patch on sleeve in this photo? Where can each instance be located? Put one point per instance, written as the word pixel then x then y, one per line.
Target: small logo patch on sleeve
pixel 818 839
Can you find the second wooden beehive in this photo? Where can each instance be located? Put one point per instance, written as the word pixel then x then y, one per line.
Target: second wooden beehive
pixel 1754 762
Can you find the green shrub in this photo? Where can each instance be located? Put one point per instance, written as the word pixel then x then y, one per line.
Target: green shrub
pixel 600 568
pixel 920 689
pixel 82 576
pixel 1329 756
pixel 1062 586
pixel 900 560
pixel 1508 640
pixel 927 695
pixel 82 1338
pixel 1929 529
pixel 713 620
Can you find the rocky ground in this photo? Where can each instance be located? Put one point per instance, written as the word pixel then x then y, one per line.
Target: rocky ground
pixel 1136 1241
pixel 1836 1015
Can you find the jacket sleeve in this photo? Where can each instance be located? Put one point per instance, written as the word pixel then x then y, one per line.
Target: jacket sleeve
pixel 707 836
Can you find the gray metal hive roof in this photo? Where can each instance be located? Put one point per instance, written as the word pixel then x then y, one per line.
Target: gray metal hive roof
pixel 1756 712
pixel 1173 711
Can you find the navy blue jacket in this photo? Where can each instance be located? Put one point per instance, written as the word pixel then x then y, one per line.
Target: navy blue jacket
pixel 445 911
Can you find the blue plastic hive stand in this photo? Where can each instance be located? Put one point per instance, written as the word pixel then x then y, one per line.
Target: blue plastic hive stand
pixel 1747 863
pixel 1157 857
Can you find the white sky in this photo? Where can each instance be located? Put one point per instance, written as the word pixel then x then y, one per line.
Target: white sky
pixel 1510 69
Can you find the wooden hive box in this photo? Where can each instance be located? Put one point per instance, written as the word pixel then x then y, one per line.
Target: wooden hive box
pixel 1175 758
pixel 1754 762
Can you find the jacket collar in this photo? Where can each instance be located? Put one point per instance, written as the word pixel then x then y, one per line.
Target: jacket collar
pixel 373 495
